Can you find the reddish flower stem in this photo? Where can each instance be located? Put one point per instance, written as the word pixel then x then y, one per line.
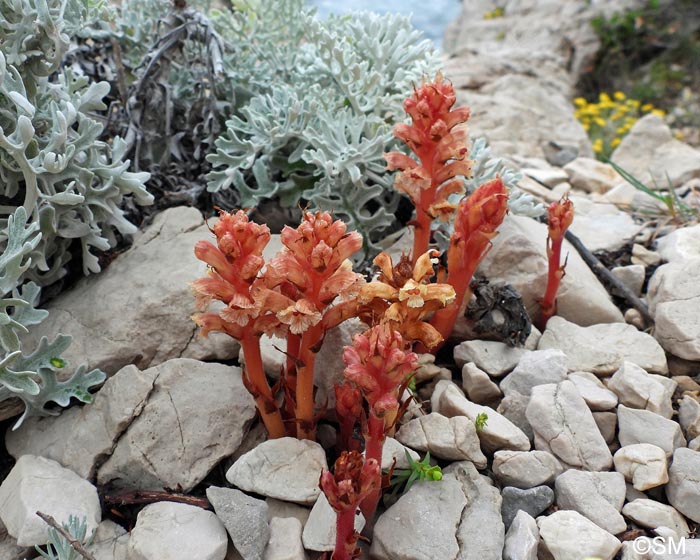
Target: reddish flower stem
pixel 374 443
pixel 262 393
pixel 345 536
pixel 555 273
pixel 306 425
pixel 423 222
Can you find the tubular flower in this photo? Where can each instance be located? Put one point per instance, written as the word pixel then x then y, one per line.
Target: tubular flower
pixel 235 262
pixel 478 217
pixel 378 363
pixel 438 139
pixel 300 284
pixel 561 215
pixel 403 297
pixel 353 479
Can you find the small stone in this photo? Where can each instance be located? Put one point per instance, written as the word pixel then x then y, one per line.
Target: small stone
pixel 559 155
pixel 170 530
pixel 395 450
pixel 564 425
pixel 652 514
pixel 634 317
pixel 319 531
pixel 643 256
pixel 548 177
pixel 642 464
pixel 680 245
pixel 535 368
pixel 631 276
pixel 601 349
pixel 602 226
pixel 427 370
pixel 683 489
pixel 642 426
pixel 108 543
pixel 689 416
pixel 598 397
pixel 280 508
pixel 38 484
pixel 497 433
pixel 531 500
pixel 513 408
pixel 599 496
pixel 525 469
pixel 591 175
pixel 568 535
pixel 422 524
pixel 285 468
pixel 245 519
pixel 495 358
pixel 285 540
pixel 522 538
pixel 478 385
pixel 453 439
pixel 636 388
pixel 607 425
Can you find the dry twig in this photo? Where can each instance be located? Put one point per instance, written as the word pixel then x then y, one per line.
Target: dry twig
pixel 75 543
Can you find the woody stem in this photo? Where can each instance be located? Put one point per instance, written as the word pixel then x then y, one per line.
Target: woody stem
pixel 264 399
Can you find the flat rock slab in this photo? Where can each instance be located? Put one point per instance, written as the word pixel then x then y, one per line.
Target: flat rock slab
pixel 652 514
pixel 564 426
pixel 493 357
pixel 172 531
pixel 82 436
pixel 196 415
pixel 581 298
pixel 422 524
pixel 602 349
pixel 285 468
pixel 674 301
pixel 245 519
pixel 525 469
pixel 134 312
pixel 638 389
pixel 38 484
pixel 643 426
pixel 535 368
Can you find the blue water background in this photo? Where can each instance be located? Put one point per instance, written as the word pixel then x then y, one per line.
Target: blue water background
pixel 431 16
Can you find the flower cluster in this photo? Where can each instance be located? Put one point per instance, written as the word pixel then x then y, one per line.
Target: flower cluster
pixel 610 119
pixel 439 141
pixel 496 13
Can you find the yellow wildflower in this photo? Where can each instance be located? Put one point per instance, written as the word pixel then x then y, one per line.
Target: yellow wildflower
pixel 659 113
pixel 647 107
pixel 580 102
pixel 615 142
pixel 619 96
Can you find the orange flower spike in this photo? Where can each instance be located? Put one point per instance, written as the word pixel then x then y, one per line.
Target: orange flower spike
pixel 353 479
pixel 440 143
pixel 478 217
pixel 315 263
pixel 560 217
pixel 235 262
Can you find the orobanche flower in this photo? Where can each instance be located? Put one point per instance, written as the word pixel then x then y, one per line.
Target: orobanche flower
pixel 403 298
pixel 438 137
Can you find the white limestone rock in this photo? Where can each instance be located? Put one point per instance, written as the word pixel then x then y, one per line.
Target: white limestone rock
pixel 607 424
pixel 683 488
pixel 602 226
pixel 568 535
pixel 581 298
pixel 564 425
pixel 681 245
pixel 535 368
pixel 109 542
pixel 395 450
pixel 319 530
pixel 689 416
pixel 522 538
pixel 285 468
pixel 591 175
pixel 631 276
pixel 285 540
pixel 39 484
pixel 597 396
pixel 525 469
pixel 643 426
pixel 280 508
pixel 495 358
pixel 674 302
pixel 601 349
pixel 652 514
pixel 642 464
pixel 173 531
pixel 453 439
pixel 176 441
pixel 498 433
pixel 478 385
pixel 636 388
pixel 599 496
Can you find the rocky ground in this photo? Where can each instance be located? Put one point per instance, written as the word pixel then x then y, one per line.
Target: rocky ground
pixel 592 444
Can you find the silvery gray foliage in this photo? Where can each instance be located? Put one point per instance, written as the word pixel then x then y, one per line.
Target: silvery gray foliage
pixel 31 378
pixel 325 96
pixel 51 161
pixel 59 547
